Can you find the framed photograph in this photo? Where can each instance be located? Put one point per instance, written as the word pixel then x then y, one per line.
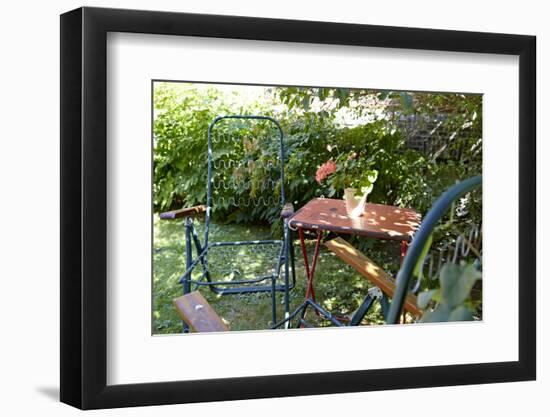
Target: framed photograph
pixel 257 208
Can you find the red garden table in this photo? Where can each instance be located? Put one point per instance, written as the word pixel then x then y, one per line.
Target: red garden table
pixel 329 215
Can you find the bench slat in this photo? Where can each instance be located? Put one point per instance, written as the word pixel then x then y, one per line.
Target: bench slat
pixel 198 314
pixel 184 212
pixel 367 268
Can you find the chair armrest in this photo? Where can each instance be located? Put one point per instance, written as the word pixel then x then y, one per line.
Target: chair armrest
pixel 287 211
pixel 184 212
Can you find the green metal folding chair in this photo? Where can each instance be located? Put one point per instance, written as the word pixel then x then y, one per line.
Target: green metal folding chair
pixel 247 266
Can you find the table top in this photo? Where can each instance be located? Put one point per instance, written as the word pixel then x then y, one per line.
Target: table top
pixel 378 220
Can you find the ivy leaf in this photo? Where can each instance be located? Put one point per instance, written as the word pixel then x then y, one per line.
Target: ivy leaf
pixel 424 298
pixel 456 283
pixel 440 314
pixel 461 313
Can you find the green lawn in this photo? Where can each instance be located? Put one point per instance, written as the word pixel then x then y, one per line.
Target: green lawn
pixel 338 287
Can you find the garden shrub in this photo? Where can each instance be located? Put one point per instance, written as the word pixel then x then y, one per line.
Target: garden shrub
pixel 405 177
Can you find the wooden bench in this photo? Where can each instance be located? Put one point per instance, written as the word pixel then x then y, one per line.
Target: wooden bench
pixel 367 268
pixel 198 314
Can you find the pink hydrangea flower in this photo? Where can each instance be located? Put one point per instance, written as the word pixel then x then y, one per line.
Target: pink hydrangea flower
pixel 325 170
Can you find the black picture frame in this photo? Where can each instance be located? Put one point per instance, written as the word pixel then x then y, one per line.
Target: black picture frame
pixel 84 207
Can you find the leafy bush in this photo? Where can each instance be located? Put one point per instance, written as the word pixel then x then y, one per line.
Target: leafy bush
pixel 452 298
pixel 312 137
pixel 182 116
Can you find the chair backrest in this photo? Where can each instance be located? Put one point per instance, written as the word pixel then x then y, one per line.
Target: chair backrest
pixel 415 252
pixel 243 169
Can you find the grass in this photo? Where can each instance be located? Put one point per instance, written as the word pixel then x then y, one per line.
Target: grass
pixel 338 287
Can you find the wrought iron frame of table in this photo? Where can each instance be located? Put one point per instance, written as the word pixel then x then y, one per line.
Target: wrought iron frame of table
pixel 329 215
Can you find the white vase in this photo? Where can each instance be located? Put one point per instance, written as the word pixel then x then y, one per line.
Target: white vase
pixel 355 205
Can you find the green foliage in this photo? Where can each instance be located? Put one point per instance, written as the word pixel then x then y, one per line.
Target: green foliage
pixel 308 116
pixel 182 116
pixel 406 177
pixel 181 121
pixel 372 155
pixel 452 298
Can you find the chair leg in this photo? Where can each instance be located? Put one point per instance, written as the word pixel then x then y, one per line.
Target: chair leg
pixel 291 248
pixel 188 259
pixel 288 255
pixel 199 250
pixel 362 310
pixel 273 300
pixel 385 304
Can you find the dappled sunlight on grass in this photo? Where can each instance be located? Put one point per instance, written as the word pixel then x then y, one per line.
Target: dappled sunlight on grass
pixel 338 287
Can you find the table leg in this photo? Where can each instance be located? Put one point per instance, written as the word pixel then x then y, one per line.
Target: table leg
pixel 310 270
pixel 304 252
pixel 311 289
pixel 404 247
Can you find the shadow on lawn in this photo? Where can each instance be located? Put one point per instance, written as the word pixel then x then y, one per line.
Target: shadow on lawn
pixel 338 287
